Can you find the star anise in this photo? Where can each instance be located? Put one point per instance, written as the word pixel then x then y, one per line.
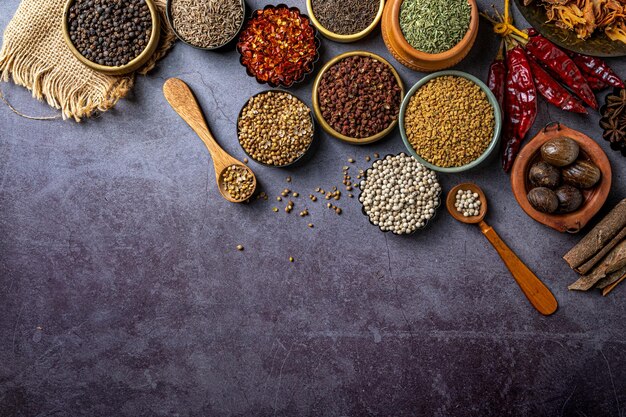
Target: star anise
pixel 616 100
pixel 613 120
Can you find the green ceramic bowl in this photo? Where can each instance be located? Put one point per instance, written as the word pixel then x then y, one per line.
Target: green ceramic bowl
pixel 496 133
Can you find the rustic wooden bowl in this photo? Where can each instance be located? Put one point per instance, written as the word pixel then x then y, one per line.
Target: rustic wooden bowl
pixel 416 60
pixel 594 198
pixel 133 65
pixel 318 111
pixel 344 38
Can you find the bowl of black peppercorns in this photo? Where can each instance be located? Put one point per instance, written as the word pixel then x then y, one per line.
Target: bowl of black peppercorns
pixel 114 37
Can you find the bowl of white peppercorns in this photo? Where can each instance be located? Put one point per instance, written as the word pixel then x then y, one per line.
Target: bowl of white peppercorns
pixel 399 194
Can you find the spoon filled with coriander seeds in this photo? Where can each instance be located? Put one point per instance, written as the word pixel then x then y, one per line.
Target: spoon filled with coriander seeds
pixel 467 203
pixel 235 180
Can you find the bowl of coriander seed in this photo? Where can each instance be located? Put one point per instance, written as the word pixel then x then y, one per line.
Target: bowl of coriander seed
pixel 275 128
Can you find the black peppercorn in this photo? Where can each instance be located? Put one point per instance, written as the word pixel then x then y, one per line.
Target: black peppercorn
pixel 110 32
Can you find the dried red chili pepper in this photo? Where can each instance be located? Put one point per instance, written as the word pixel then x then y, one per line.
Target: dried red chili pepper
pixel 597 68
pixel 497 76
pixel 278 46
pixel 596 84
pixel 562 66
pixel 520 101
pixel 554 92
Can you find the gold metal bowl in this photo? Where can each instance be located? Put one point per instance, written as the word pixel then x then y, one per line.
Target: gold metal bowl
pixel 344 38
pixel 318 111
pixel 131 66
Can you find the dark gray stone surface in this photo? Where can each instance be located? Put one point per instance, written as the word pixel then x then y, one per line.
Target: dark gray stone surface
pixel 122 293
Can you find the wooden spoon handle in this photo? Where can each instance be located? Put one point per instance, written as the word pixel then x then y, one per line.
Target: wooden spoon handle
pixel 181 98
pixel 537 293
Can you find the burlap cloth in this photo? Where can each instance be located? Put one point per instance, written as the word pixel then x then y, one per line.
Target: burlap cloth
pixel 34 55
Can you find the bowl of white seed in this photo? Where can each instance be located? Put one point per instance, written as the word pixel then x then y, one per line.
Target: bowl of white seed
pixel 399 194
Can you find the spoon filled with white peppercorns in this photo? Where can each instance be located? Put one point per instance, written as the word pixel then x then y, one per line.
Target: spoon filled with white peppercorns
pixel 235 181
pixel 468 204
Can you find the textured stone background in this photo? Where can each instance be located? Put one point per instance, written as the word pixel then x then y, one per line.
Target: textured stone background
pixel 122 293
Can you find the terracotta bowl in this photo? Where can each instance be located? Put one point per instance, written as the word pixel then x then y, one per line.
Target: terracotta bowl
pixel 135 63
pixel 594 198
pixel 318 111
pixel 344 38
pixel 416 60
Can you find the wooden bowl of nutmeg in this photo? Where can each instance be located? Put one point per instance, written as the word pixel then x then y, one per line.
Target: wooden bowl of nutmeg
pixel 561 178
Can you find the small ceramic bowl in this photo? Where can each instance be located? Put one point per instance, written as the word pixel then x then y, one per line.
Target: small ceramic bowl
pixel 594 198
pixel 225 45
pixel 344 38
pixel 134 64
pixel 318 111
pixel 437 205
pixel 421 61
pixel 317 47
pixel 496 131
pixel 295 161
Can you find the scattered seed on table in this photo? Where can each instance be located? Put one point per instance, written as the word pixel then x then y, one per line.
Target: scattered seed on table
pixel 376 155
pixel 288 179
pixel 310 225
pixel 239 247
pixel 351 160
pixel 291 259
pixel 245 160
pixel 275 209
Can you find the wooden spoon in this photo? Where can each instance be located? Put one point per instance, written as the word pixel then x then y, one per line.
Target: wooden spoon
pixel 537 293
pixel 181 98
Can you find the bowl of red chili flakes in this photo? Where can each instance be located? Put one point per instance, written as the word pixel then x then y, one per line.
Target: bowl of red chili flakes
pixel 279 46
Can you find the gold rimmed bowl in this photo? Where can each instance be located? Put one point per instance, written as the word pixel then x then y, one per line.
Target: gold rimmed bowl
pixel 353 37
pixel 131 66
pixel 318 111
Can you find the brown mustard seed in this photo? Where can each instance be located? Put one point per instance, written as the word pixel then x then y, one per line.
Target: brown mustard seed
pixel 275 128
pixel 454 131
pixel 238 181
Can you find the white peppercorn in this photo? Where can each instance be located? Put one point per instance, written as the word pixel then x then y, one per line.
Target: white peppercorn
pixel 399 194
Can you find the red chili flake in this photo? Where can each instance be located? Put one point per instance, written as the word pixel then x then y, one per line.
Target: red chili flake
pixel 278 46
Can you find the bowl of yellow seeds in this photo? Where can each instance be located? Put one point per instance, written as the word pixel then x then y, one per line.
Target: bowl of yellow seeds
pixel 450 121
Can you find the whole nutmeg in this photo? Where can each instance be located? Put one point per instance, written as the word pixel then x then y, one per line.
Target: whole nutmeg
pixel 543 199
pixel 542 174
pixel 560 151
pixel 581 174
pixel 570 198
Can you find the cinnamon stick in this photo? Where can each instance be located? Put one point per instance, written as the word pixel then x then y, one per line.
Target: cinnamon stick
pixel 611 278
pixel 614 261
pixel 604 234
pixel 588 266
pixel 611 287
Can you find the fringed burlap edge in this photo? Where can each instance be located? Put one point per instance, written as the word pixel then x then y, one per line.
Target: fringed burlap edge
pixel 47 82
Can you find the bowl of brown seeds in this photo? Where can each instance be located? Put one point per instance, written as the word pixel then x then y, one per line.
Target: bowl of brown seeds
pixel 345 21
pixel 206 24
pixel 275 128
pixel 450 122
pixel 357 96
pixel 109 36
